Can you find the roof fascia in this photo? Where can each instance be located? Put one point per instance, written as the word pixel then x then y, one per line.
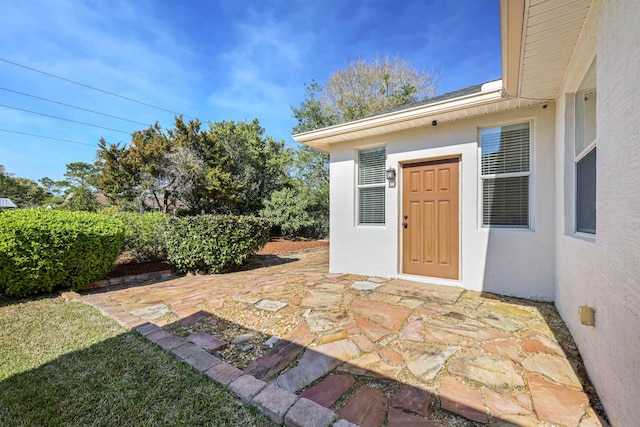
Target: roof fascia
pixel 511 32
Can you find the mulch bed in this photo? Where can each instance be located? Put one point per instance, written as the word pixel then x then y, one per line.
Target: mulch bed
pixel 130 268
pixel 279 246
pixel 126 267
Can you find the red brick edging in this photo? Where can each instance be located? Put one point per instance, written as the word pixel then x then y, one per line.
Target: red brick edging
pixel 280 405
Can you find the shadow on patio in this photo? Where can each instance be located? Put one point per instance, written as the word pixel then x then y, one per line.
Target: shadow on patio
pixel 373 350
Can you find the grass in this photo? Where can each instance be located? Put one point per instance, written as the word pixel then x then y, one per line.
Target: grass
pixel 63 363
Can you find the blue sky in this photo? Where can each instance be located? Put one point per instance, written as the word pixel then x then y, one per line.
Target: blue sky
pixel 214 60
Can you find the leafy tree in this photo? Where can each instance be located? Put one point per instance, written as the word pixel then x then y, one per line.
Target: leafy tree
pixel 313 113
pixel 256 163
pixel 81 199
pixel 289 210
pixel 22 191
pixel 80 174
pixel 302 208
pixel 231 167
pixel 362 89
pixel 212 189
pixel 116 178
pixel 151 166
pixel 54 188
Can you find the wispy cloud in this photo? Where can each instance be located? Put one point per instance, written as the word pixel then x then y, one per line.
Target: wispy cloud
pixel 223 60
pixel 255 71
pixel 106 45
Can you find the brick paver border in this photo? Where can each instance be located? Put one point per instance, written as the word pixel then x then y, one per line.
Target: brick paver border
pixel 280 405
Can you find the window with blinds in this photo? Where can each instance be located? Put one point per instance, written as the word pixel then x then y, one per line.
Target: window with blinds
pixel 371 186
pixel 505 172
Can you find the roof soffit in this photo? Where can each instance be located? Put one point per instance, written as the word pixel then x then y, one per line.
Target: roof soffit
pixel 551 29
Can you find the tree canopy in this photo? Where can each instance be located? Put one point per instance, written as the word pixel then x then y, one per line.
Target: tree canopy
pixel 23 192
pixel 230 167
pixel 80 174
pixel 361 89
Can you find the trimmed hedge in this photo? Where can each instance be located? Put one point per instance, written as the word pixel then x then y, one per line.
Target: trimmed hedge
pixel 144 235
pixel 41 250
pixel 214 243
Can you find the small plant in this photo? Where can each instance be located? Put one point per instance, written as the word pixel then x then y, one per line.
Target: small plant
pixel 214 243
pixel 144 235
pixel 41 250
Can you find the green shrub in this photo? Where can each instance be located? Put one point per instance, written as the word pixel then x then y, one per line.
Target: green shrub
pixel 296 214
pixel 144 235
pixel 214 242
pixel 44 249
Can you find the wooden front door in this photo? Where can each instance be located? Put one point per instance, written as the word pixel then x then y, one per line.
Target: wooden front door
pixel 430 218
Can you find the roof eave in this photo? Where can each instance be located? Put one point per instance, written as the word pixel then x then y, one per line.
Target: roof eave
pixel 511 31
pixel 320 138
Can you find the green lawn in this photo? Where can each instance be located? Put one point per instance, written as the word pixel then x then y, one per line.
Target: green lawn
pixel 63 363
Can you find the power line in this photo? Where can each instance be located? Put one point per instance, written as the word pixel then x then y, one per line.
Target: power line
pixel 94 88
pixel 48 137
pixel 67 120
pixel 73 106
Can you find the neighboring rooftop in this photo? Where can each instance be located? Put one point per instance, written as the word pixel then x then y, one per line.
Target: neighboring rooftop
pixel 470 90
pixel 6 203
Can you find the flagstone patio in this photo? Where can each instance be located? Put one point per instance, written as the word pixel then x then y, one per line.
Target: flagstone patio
pixel 378 351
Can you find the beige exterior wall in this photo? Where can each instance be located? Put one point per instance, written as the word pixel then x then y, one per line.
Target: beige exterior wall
pixel 516 262
pixel 603 271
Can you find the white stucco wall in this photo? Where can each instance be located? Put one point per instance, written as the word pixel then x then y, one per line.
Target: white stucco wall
pixel 604 272
pixel 506 261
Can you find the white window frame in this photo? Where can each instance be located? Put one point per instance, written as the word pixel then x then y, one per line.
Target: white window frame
pixel 588 149
pixel 482 177
pixel 383 184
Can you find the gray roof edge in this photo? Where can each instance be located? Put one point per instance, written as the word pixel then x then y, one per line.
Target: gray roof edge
pixel 469 90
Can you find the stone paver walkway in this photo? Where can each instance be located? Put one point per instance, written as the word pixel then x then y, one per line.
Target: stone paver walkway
pixel 374 351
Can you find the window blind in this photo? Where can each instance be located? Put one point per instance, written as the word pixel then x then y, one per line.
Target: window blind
pixel 505 201
pixel 371 186
pixel 505 149
pixel 371 164
pixel 505 170
pixel 372 205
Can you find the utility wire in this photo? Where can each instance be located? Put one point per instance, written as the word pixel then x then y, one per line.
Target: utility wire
pixel 48 137
pixel 67 120
pixel 94 88
pixel 73 106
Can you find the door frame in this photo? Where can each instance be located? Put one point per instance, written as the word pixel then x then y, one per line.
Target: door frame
pixel 410 162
